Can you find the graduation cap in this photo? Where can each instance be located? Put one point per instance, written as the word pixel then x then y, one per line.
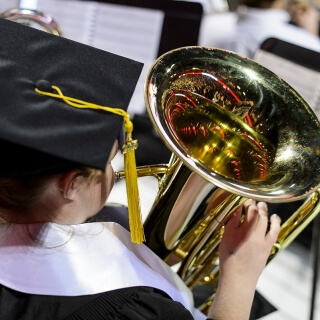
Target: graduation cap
pixel 63 104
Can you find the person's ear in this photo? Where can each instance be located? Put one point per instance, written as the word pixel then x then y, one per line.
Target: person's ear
pixel 69 184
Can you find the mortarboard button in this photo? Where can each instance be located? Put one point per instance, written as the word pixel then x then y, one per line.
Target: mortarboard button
pixel 43 85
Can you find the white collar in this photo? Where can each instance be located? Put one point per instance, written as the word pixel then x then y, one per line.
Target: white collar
pixel 80 260
pixel 262 15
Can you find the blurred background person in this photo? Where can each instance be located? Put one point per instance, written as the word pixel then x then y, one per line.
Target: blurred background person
pixel 255 21
pixel 305 14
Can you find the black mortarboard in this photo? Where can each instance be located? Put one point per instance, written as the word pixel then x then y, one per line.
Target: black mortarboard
pixel 40 134
pixel 43 134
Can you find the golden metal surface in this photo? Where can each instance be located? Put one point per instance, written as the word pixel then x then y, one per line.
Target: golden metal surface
pixel 214 109
pixel 236 131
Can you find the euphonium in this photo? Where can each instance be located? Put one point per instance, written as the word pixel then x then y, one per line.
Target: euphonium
pixel 33 18
pixel 236 131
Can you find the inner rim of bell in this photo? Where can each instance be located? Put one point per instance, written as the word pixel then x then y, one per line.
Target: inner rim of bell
pixel 235 123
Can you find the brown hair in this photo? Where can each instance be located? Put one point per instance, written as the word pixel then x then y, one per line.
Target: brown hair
pixel 21 195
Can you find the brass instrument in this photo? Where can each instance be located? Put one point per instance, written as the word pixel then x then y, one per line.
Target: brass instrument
pixel 236 131
pixel 33 18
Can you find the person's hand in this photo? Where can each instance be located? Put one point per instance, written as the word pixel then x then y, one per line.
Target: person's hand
pixel 243 253
pixel 245 246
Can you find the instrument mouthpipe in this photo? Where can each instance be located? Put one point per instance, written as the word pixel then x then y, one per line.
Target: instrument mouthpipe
pixel 144 171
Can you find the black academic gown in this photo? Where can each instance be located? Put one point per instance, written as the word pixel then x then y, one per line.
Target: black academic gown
pixel 139 303
pixel 88 271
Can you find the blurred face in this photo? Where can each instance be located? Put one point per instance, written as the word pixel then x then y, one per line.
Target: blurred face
pixel 109 172
pixel 96 194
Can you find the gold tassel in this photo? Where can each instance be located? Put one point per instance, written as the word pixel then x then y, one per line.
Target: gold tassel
pixel 128 149
pixel 135 219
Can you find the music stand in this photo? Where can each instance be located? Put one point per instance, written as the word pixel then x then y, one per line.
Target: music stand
pixel 298 66
pixel 181 25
